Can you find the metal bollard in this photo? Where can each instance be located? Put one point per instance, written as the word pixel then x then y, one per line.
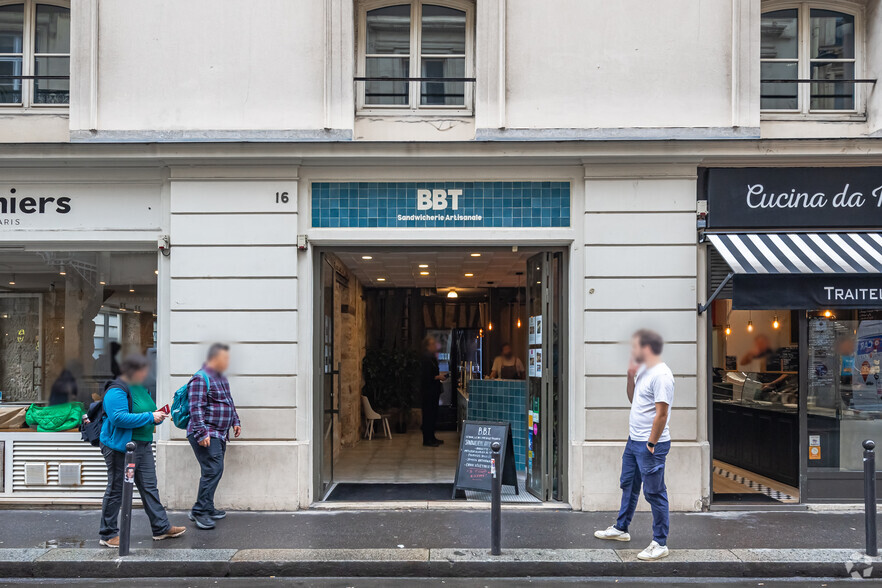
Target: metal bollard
pixel 128 489
pixel 495 501
pixel 870 496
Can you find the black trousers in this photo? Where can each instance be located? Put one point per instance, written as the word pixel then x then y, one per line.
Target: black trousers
pixel 430 414
pixel 211 463
pixel 145 480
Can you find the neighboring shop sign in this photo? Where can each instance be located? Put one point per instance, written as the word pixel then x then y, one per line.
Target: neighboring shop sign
pixel 440 204
pixel 78 206
pixel 794 198
pixel 799 291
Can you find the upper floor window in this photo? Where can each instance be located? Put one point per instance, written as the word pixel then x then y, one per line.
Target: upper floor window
pixel 34 53
pixel 415 56
pixel 810 60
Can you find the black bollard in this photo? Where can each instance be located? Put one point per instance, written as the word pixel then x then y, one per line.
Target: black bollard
pixel 128 489
pixel 495 500
pixel 870 496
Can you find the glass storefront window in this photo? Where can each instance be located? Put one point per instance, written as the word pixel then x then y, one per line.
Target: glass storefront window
pixel 67 319
pixel 844 401
pixel 756 358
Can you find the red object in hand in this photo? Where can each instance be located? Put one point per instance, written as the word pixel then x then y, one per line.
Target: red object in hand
pixel 166 409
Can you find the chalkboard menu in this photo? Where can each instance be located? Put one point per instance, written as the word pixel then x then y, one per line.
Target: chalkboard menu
pixel 789 359
pixel 473 472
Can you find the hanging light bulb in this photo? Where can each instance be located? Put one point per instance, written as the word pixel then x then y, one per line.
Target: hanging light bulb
pixel 519 323
pixel 62 272
pixel 12 280
pixel 489 326
pixel 750 326
pixel 131 288
pixel 775 323
pixel 728 330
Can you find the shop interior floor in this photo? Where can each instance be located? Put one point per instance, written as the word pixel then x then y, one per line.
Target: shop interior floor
pixel 732 480
pixel 402 459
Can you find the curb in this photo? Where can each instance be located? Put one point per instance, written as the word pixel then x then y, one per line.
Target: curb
pixel 722 563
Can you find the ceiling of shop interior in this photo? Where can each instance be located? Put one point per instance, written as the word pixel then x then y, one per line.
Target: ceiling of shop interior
pixel 447 268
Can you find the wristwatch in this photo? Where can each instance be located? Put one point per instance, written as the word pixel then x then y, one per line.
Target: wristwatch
pixel 650 445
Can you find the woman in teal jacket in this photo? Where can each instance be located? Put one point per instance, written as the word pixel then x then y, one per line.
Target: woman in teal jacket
pixel 131 415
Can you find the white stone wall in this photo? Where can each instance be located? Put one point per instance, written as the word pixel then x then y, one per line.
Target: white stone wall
pixel 233 277
pixel 640 270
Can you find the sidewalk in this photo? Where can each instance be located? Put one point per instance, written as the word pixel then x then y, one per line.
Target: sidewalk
pixel 440 543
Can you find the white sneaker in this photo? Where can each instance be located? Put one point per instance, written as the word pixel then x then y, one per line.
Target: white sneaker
pixel 653 552
pixel 613 534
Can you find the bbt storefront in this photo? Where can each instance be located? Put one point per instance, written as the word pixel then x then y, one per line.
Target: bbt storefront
pixel 795 329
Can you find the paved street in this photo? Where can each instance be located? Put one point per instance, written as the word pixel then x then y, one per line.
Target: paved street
pixel 312 529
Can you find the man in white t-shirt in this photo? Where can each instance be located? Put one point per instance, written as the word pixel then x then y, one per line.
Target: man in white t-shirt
pixel 651 393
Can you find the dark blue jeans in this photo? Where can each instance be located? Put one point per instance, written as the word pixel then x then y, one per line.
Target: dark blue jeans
pixel 211 462
pixel 145 480
pixel 639 466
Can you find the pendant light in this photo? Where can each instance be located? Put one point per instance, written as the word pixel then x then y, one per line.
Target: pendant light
pixel 452 294
pixel 728 330
pixel 12 280
pixel 750 322
pixel 775 323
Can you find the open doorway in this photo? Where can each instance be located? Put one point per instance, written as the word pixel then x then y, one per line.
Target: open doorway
pixel 379 309
pixel 756 398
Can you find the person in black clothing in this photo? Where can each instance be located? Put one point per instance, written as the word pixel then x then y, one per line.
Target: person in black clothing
pixel 64 389
pixel 430 385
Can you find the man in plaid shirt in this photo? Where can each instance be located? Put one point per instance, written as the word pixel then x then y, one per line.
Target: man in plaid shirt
pixel 212 415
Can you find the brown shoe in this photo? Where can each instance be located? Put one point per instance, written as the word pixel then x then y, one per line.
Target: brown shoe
pixel 113 543
pixel 170 534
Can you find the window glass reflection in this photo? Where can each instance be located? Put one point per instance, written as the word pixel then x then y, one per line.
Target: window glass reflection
pixel 388 30
pixel 67 319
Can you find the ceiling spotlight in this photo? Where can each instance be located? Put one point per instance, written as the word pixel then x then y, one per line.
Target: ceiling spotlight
pixel 424 273
pixel 476 255
pixel 103 283
pixel 452 294
pixel 424 265
pixel 367 257
pixel 470 275
pixel 381 279
pixel 156 272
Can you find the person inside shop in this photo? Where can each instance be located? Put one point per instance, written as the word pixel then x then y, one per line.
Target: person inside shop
pixel 64 389
pixel 431 388
pixel 506 366
pixel 762 349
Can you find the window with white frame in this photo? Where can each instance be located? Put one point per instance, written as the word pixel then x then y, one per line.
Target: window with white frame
pixel 34 53
pixel 415 56
pixel 810 59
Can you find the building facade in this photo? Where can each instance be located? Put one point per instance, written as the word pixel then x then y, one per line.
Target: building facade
pixel 172 174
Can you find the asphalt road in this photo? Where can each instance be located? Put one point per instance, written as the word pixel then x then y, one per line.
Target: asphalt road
pixel 432 582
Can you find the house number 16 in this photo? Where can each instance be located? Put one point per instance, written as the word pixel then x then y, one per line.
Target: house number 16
pixel 282 198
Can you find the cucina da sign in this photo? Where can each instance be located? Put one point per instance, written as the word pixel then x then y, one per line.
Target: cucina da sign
pixel 793 198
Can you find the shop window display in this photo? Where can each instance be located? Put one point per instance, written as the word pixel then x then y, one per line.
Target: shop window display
pixel 66 320
pixel 844 403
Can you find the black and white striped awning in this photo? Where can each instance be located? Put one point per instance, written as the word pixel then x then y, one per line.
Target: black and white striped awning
pixel 800 253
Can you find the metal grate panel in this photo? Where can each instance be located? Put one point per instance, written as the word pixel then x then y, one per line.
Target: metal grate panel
pixel 93 471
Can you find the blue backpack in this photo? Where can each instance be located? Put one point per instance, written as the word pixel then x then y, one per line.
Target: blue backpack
pixel 180 410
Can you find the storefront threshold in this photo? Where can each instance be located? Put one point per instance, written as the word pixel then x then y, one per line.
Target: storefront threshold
pixel 758 507
pixel 433 505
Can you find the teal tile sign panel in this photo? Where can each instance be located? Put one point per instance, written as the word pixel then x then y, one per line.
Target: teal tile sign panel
pixel 502 401
pixel 440 204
